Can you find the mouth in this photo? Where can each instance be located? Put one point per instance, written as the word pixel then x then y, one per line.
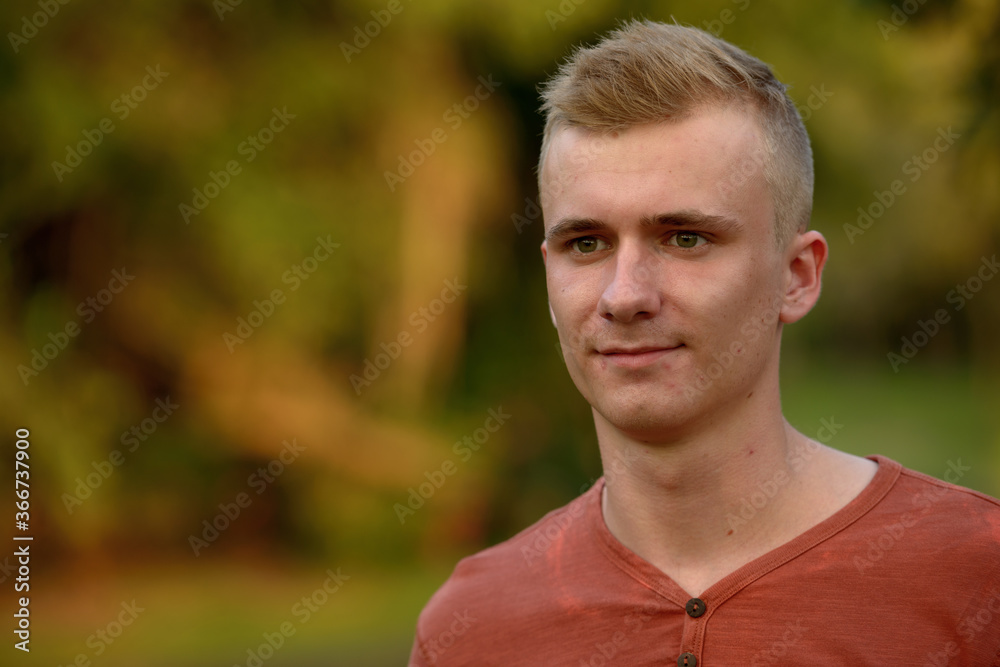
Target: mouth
pixel 636 357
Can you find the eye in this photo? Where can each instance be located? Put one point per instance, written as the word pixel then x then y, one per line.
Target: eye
pixel 586 245
pixel 687 240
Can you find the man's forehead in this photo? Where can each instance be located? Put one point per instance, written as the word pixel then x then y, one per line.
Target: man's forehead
pixel 729 128
pixel 722 145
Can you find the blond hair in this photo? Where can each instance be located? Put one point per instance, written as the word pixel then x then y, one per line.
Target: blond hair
pixel 647 72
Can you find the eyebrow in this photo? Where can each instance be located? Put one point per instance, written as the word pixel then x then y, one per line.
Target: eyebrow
pixel 681 219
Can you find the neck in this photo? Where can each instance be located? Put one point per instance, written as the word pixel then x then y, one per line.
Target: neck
pixel 703 505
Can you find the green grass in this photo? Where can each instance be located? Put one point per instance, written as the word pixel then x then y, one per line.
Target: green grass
pixel 208 614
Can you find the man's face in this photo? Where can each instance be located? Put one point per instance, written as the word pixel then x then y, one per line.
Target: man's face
pixel 663 273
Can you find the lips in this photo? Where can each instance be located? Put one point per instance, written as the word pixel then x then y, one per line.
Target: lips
pixel 636 350
pixel 637 356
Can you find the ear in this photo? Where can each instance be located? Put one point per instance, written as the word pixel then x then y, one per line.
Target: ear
pixel 805 258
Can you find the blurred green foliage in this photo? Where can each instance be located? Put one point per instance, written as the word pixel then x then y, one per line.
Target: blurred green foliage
pixel 359 106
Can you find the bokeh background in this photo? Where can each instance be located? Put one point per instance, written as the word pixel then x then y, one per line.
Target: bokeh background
pixel 384 184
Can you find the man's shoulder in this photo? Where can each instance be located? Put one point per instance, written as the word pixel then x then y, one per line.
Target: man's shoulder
pixel 524 556
pixel 946 495
pixel 942 515
pixel 503 586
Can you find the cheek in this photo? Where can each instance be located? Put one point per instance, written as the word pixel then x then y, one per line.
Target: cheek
pixel 565 301
pixel 572 291
pixel 574 296
pixel 735 303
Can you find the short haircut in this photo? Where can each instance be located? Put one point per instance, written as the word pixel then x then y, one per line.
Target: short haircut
pixel 647 72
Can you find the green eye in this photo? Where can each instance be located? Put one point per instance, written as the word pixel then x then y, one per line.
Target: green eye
pixel 687 239
pixel 586 244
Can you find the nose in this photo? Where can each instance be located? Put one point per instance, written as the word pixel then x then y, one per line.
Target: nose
pixel 632 291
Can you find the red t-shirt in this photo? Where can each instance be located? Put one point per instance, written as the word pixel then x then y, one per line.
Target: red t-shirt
pixel 908 573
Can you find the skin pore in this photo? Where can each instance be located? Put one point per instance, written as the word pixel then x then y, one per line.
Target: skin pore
pixel 669 292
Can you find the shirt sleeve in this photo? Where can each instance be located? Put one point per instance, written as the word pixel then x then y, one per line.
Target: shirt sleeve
pixel 417 657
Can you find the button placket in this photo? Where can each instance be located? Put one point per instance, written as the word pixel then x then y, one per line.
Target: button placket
pixel 695 608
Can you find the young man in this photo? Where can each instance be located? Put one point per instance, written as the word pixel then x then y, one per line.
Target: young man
pixel 676 186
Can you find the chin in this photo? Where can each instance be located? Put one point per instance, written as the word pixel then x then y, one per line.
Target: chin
pixel 646 421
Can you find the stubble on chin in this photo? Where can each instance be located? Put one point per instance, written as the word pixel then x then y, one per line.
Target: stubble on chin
pixel 643 414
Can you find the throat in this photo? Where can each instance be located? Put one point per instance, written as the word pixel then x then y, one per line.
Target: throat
pixel 699 531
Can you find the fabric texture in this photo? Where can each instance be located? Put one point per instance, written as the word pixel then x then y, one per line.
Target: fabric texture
pixel 908 573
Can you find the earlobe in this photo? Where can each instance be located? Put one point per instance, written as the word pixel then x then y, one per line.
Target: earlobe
pixel 805 259
pixel 552 314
